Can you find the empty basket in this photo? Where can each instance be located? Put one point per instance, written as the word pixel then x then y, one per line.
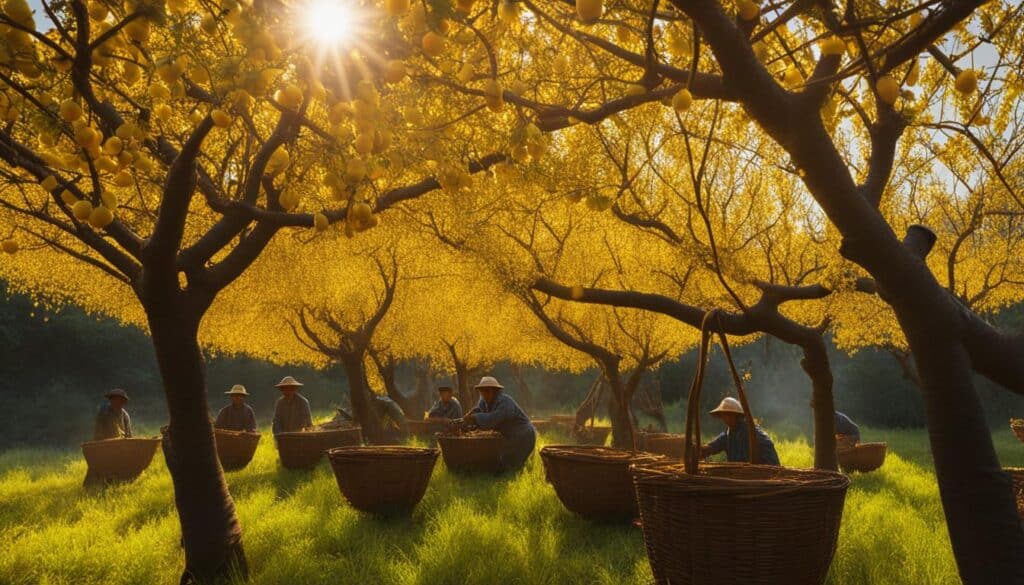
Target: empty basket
pixel 385 479
pixel 118 459
pixel 304 449
pixel 235 448
pixel 593 481
pixel 863 457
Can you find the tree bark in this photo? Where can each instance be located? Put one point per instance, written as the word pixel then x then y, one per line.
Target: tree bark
pixel 815 363
pixel 211 533
pixel 409 404
pixel 361 399
pixel 424 386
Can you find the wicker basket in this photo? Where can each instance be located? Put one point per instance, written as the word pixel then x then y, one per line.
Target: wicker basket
pixel 471 452
pixel 1017 426
pixel 304 449
pixel 425 429
pixel 739 523
pixel 592 435
pixel 663 444
pixel 593 481
pixel 235 448
pixel 543 425
pixel 383 480
pixel 1017 475
pixel 563 420
pixel 118 459
pixel 863 457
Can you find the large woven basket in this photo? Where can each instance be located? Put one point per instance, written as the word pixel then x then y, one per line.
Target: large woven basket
pixel 863 457
pixel 563 420
pixel 385 479
pixel 471 452
pixel 118 459
pixel 739 523
pixel 543 425
pixel 1017 425
pixel 592 435
pixel 663 444
pixel 304 449
pixel 235 448
pixel 425 429
pixel 1017 475
pixel 592 481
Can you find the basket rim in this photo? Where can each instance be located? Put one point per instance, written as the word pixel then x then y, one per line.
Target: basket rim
pixel 318 433
pixel 477 437
pixel 123 440
pixel 875 445
pixel 598 454
pixel 674 472
pixel 393 452
pixel 238 433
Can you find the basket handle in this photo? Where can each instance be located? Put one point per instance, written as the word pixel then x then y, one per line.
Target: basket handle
pixel 691 449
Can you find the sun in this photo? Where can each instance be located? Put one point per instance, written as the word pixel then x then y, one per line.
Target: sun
pixel 330 22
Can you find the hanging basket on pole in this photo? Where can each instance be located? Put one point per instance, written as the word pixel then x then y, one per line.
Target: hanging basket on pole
pixel 721 524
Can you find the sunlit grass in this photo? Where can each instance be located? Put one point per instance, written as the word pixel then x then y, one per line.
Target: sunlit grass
pixel 509 529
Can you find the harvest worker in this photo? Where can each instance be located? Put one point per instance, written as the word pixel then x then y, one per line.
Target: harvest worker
pixel 447 407
pixel 112 421
pixel 497 411
pixel 391 417
pixel 237 416
pixel 734 440
pixel 291 413
pixel 847 431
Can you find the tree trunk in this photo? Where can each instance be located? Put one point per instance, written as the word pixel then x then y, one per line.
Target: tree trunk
pixel 649 402
pixel 424 386
pixel 619 413
pixel 409 406
pixel 361 397
pixel 588 408
pixel 211 533
pixel 815 363
pixel 462 389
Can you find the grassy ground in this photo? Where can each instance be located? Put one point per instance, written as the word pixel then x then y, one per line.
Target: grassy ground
pixel 298 529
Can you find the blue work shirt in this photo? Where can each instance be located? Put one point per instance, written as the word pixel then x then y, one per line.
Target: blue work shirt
pixel 111 424
pixel 734 442
pixel 236 418
pixel 450 410
pixel 292 414
pixel 505 416
pixel 845 426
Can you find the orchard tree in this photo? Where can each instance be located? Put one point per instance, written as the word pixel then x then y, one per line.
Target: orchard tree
pixel 792 68
pixel 118 115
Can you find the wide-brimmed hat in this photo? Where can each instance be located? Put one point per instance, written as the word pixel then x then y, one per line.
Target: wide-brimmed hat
pixel 728 405
pixel 445 389
pixel 288 382
pixel 237 390
pixel 489 382
pixel 116 392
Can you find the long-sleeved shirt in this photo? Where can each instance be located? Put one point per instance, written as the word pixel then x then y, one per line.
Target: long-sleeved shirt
pixel 450 410
pixel 292 414
pixel 505 416
pixel 111 424
pixel 236 418
pixel 845 426
pixel 734 442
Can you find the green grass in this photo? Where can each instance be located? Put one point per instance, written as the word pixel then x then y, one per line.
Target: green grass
pixel 472 530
